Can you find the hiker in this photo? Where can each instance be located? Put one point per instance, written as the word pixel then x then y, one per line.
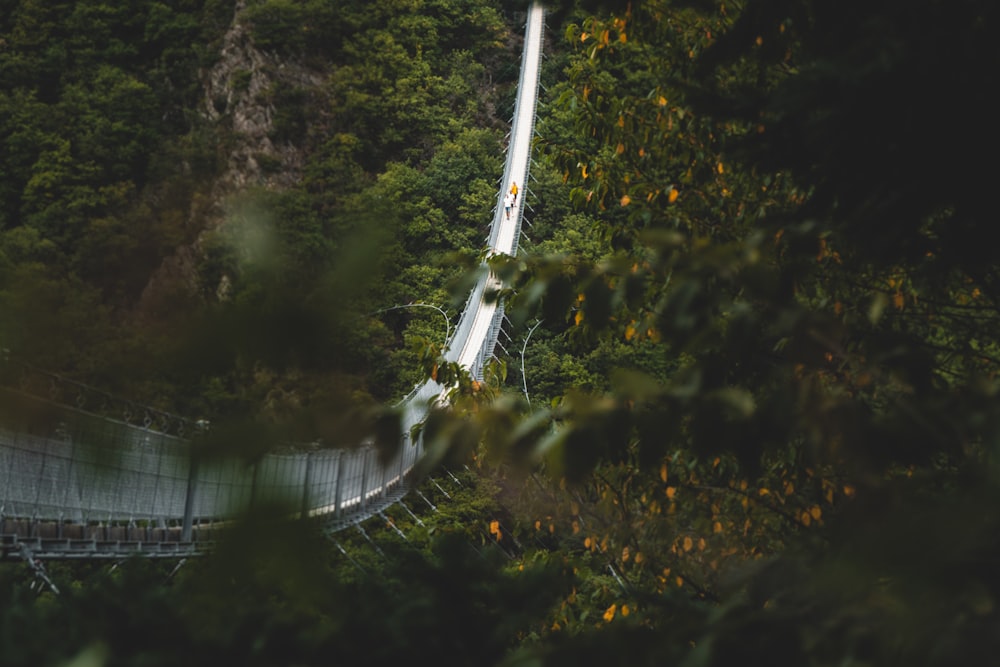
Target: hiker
pixel 508 202
pixel 513 191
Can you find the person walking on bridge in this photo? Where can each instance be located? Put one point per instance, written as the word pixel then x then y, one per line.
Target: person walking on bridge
pixel 513 191
pixel 508 202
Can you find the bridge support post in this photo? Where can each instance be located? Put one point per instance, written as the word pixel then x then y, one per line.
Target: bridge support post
pixel 385 480
pixel 338 489
pixel 253 484
pixel 187 524
pixel 307 482
pixel 402 459
pixel 365 471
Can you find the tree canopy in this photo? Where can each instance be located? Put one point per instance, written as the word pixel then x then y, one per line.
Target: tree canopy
pixel 755 417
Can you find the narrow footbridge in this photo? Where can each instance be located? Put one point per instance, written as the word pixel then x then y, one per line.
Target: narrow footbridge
pixel 77 484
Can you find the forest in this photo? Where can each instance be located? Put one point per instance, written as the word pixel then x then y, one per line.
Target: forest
pixel 747 407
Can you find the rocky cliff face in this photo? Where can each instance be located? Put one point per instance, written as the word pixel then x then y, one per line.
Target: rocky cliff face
pixel 238 100
pixel 237 97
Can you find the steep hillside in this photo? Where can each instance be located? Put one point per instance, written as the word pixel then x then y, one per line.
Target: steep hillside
pixel 203 204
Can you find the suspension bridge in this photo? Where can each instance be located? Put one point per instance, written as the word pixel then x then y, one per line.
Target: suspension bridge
pixel 75 483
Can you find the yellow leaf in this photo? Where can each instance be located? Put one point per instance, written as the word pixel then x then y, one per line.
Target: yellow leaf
pixel 816 512
pixel 609 614
pixel 680 581
pixel 625 554
pixel 494 527
pixel 578 317
pixel 639 557
pixel 576 526
pixel 642 151
pixel 672 197
pixel 671 492
pixel 763 491
pixel 848 490
pixel 621 38
pixel 584 36
pixel 586 543
pixel 805 518
pixel 663 472
pixel 662 101
pixel 701 544
pixel 720 168
pixel 625 200
pixel 716 461
pixel 538 524
pixel 552 527
pixel 716 527
pixel 620 148
pixel 630 332
pixel 897 300
pixel 688 544
pixel 789 488
pixel 583 170
pixel 759 40
pixel 625 610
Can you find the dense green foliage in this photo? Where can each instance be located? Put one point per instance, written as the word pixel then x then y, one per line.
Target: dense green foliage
pixel 95 115
pixel 288 596
pixel 108 165
pixel 807 312
pixel 755 418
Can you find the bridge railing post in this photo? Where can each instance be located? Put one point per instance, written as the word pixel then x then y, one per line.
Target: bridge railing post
pixel 191 494
pixel 365 471
pixel 402 458
pixel 306 486
pixel 338 489
pixel 187 523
